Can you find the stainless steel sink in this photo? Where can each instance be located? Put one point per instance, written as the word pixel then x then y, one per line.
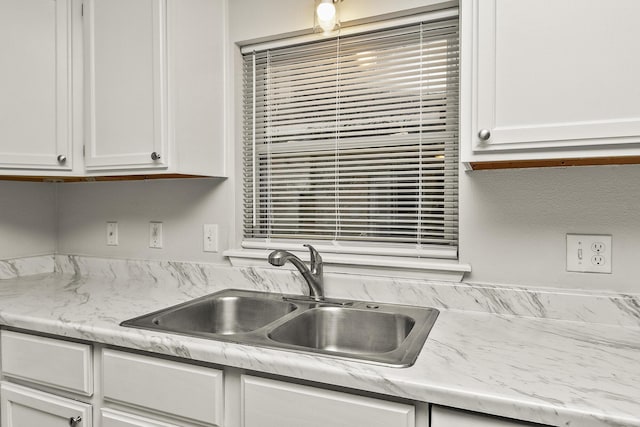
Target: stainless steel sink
pixel 345 330
pixel 386 334
pixel 224 314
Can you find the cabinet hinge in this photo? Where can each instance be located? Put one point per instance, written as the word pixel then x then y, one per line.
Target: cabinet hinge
pixel 82 9
pixel 83 147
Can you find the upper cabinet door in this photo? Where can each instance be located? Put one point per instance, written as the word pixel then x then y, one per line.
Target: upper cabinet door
pixel 552 77
pixel 126 84
pixel 35 84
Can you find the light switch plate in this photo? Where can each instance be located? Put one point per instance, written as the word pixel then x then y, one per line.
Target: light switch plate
pixel 155 235
pixel 210 238
pixel 112 233
pixel 589 253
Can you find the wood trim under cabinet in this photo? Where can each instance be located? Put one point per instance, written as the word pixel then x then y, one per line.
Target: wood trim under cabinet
pixel 550 163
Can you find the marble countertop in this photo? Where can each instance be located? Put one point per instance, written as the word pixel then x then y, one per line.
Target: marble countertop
pixel 553 372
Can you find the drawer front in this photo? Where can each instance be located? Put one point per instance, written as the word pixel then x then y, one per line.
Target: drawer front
pixel 50 362
pixel 270 403
pixel 448 417
pixel 179 389
pixel 111 418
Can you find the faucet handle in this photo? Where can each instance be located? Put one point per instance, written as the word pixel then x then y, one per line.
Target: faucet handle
pixel 315 258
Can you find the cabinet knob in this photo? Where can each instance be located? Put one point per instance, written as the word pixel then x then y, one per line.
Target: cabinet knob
pixel 484 134
pixel 74 421
pixel 155 156
pixel 62 158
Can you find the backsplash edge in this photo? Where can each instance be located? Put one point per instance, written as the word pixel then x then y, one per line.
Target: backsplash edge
pixel 591 307
pixel 26 266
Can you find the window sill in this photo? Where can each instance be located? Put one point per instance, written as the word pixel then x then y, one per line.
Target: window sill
pixel 369 265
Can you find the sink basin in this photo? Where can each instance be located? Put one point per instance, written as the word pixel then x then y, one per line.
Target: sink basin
pixel 386 334
pixel 216 314
pixel 345 330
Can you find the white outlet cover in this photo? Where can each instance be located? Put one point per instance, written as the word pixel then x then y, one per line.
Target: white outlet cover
pixel 589 253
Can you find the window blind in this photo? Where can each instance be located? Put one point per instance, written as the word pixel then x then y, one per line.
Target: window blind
pixel 354 140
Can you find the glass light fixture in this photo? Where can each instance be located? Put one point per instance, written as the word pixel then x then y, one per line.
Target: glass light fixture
pixel 327 15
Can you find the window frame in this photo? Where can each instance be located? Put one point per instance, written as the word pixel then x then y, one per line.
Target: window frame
pixel 372 257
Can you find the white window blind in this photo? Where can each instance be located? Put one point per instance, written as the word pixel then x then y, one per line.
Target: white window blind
pixel 354 140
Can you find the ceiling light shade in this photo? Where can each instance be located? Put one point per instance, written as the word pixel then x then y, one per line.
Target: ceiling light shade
pixel 326 15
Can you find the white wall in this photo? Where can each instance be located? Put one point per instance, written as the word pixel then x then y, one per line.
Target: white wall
pixel 183 206
pixel 27 219
pixel 255 20
pixel 512 223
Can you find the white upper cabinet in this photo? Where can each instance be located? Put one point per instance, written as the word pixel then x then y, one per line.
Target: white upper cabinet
pixel 132 87
pixel 549 79
pixel 126 84
pixel 154 86
pixel 35 85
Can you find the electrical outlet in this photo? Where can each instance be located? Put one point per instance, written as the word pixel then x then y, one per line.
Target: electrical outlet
pixel 112 233
pixel 589 253
pixel 210 238
pixel 155 235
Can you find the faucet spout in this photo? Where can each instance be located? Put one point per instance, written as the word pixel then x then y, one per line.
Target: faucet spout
pixel 312 275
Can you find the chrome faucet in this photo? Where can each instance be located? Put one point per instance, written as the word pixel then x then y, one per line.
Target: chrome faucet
pixel 312 276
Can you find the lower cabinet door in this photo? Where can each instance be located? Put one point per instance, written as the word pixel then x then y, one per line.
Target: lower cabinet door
pixel 25 407
pixel 270 403
pixel 111 418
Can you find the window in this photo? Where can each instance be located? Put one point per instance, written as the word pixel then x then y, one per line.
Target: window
pixel 353 141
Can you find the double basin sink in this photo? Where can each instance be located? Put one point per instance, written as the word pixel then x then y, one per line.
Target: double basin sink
pixel 385 334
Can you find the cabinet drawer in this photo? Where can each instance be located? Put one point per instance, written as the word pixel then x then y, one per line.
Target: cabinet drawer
pixel 111 418
pixel 186 391
pixel 270 403
pixel 50 362
pixel 448 417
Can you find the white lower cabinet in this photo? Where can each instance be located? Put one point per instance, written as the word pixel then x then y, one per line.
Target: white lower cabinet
pixel 63 366
pixel 448 417
pixel 188 392
pixel 56 389
pixel 25 407
pixel 271 403
pixel 111 418
pixel 49 362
